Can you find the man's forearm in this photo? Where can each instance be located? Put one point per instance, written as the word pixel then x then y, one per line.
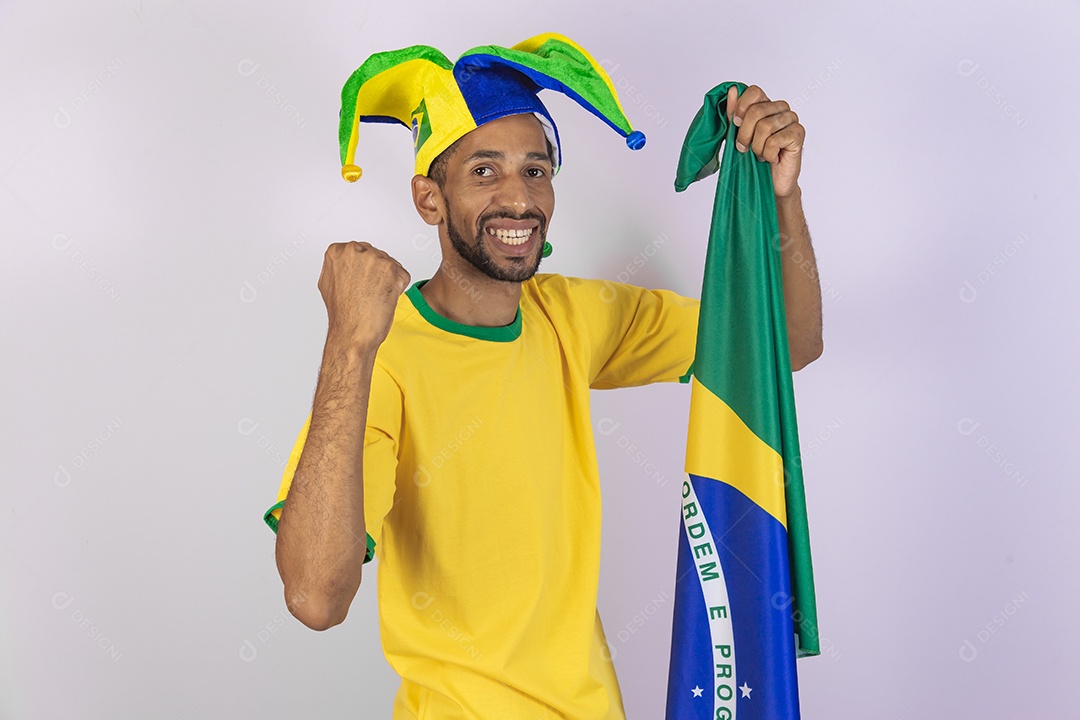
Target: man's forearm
pixel 321 538
pixel 802 289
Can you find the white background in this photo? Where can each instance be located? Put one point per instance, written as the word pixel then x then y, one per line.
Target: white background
pixel 169 181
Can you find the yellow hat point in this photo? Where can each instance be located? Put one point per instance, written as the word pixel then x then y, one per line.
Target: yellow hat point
pixel 351 173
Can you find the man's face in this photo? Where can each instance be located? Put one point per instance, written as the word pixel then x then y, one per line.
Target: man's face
pixel 499 197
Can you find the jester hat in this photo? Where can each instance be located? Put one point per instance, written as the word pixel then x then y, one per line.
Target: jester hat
pixel 441 101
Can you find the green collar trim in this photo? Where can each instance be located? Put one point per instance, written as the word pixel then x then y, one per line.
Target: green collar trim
pixel 506 333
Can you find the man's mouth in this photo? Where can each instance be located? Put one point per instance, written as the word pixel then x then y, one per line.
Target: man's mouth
pixel 512 236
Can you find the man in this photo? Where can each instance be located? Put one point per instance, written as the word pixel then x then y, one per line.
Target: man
pixel 450 428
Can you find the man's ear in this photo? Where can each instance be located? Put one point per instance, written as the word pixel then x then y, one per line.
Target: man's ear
pixel 428 199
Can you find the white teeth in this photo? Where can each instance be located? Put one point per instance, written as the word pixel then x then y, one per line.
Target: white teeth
pixel 512 237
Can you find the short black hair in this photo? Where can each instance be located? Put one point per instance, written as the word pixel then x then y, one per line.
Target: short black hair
pixel 437 169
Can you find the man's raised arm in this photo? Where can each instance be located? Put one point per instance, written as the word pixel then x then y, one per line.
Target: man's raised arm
pixel 321 534
pixel 772 131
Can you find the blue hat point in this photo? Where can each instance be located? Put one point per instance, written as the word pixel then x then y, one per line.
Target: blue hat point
pixel 635 140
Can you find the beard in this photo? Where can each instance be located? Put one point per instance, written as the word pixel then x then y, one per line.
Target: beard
pixel 520 269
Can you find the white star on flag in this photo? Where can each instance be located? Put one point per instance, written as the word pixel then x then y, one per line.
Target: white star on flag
pixel 697 691
pixel 745 689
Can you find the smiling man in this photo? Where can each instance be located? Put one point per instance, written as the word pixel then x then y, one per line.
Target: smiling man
pixel 500 179
pixel 450 434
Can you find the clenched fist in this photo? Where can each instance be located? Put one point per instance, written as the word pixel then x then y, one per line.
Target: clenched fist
pixel 360 285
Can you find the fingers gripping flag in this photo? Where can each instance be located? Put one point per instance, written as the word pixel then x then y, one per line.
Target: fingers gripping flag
pixel 744 591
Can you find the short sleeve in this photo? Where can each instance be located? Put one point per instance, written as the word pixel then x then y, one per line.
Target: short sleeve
pixel 640 336
pixel 381 443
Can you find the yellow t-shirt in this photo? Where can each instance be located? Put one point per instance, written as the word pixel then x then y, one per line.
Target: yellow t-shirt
pixel 482 494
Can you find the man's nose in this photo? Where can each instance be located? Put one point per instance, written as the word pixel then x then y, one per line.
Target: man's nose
pixel 514 193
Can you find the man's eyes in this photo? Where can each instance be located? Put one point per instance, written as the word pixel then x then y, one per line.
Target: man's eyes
pixel 485 171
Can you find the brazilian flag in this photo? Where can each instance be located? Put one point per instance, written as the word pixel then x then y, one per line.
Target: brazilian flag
pixel 744 591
